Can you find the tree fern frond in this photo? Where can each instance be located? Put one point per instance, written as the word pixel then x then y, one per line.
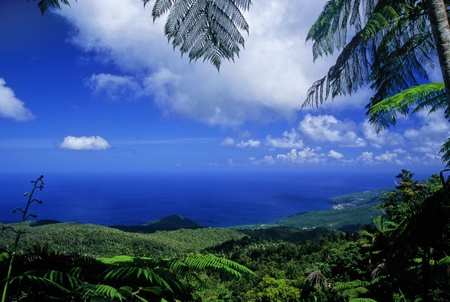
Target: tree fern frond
pixel 339 286
pixel 384 113
pixel 444 261
pixel 5 256
pixel 445 151
pixel 390 53
pixel 143 276
pixel 160 7
pixel 102 290
pixel 379 21
pixel 208 29
pixel 61 278
pixel 44 5
pixel 28 279
pixel 211 262
pixel 329 31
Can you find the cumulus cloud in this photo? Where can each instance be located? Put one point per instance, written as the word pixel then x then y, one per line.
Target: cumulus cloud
pixel 383 138
pixel 335 154
pixel 267 160
pixel 121 32
pixel 365 157
pixel 327 128
pixel 304 156
pixel 250 143
pixel 227 142
pixel 288 140
pixel 113 86
pixel 84 143
pixel 433 131
pixel 387 157
pixel 10 106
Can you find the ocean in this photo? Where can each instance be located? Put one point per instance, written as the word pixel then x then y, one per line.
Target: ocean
pixel 214 199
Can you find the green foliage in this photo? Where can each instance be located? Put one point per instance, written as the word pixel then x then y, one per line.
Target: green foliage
pixel 273 290
pixel 393 46
pixel 412 233
pixel 390 48
pixel 351 290
pixel 384 113
pixel 401 256
pixel 101 241
pixel 210 262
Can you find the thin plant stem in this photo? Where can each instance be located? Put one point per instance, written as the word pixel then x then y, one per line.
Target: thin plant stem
pixel 38 184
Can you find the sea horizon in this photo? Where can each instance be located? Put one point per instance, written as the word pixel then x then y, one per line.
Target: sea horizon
pixel 212 199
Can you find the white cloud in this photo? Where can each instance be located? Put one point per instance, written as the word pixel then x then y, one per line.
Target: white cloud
pixel 114 87
pixel 387 157
pixel 122 32
pixel 327 128
pixel 433 132
pixel 10 106
pixel 305 156
pixel 84 143
pixel 268 160
pixel 365 157
pixel 227 142
pixel 250 143
pixel 290 140
pixel 335 154
pixel 381 139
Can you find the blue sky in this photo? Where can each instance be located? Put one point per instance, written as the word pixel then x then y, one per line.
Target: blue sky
pixel 96 87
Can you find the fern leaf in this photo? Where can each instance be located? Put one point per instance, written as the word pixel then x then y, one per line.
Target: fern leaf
pixel 103 290
pixel 44 5
pixel 208 29
pixel 384 113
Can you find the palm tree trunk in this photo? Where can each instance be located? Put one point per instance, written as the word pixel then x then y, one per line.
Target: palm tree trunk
pixel 437 15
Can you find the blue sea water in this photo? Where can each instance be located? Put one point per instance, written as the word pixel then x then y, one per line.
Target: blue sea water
pixel 216 199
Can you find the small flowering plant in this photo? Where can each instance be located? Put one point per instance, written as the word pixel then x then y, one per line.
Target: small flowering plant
pixel 37 184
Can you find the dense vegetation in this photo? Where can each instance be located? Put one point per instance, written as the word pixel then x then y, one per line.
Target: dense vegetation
pixel 400 256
